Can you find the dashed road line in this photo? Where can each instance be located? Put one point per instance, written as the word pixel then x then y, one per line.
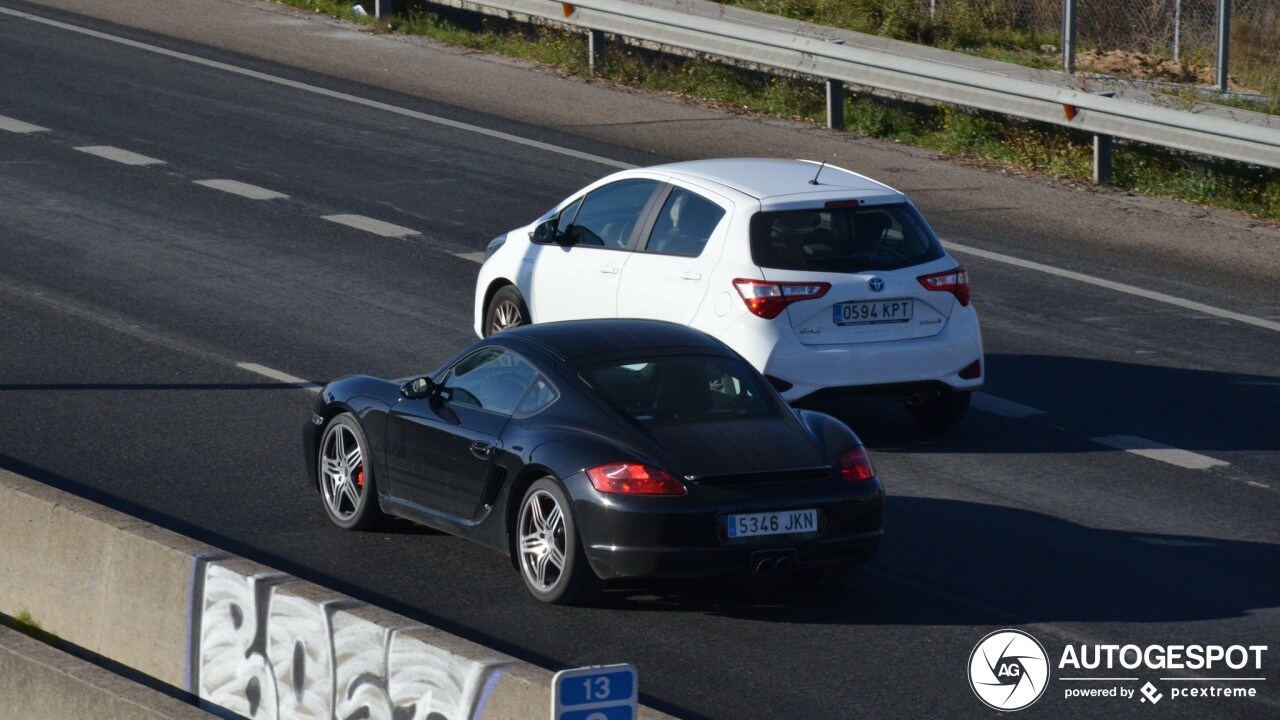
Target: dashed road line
pixel 121 156
pixel 1002 407
pixel 475 257
pixel 368 224
pixel 1159 451
pixel 315 89
pixel 267 372
pixel 235 187
pixel 14 125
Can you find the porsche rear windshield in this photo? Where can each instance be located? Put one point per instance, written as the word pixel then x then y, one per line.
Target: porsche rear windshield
pixel 681 389
pixel 853 239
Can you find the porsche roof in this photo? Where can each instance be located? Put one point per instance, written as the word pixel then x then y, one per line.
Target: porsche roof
pixel 573 339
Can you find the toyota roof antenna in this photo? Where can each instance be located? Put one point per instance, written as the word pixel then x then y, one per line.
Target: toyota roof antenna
pixel 814 181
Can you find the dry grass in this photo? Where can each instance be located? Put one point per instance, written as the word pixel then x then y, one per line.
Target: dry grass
pixel 1016 31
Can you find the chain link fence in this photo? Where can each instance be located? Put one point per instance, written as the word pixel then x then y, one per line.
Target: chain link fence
pixel 1170 40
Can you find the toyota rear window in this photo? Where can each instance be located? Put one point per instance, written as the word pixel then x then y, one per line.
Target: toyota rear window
pixel 881 237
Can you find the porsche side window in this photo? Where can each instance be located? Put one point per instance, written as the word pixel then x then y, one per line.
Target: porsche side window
pixel 490 379
pixel 608 215
pixel 684 224
pixel 540 394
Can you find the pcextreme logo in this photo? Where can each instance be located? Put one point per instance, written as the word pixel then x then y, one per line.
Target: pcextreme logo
pixel 1009 670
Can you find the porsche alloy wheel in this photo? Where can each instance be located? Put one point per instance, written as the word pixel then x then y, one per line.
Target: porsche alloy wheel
pixel 506 310
pixel 346 480
pixel 550 555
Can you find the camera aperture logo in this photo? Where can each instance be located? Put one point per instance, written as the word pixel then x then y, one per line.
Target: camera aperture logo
pixel 1008 670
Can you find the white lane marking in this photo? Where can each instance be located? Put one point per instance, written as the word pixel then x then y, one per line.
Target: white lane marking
pixel 1002 407
pixel 475 257
pixel 121 156
pixel 1159 451
pixel 1118 287
pixel 265 371
pixel 323 91
pixel 1258 484
pixel 253 192
pixel 14 125
pixel 368 224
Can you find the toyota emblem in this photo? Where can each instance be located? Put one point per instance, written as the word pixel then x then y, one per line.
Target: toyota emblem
pixel 876 284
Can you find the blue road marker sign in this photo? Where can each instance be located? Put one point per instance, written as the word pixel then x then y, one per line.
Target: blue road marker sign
pixel 600 692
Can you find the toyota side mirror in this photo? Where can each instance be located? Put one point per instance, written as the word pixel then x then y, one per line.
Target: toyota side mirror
pixel 548 232
pixel 545 232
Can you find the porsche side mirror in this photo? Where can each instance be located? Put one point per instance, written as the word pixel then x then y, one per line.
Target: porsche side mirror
pixel 419 388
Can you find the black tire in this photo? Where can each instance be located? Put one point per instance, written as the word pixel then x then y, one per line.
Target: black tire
pixel 549 550
pixel 828 577
pixel 506 310
pixel 941 410
pixel 346 479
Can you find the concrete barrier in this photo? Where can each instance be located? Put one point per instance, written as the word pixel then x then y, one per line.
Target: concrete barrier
pixel 242 637
pixel 38 682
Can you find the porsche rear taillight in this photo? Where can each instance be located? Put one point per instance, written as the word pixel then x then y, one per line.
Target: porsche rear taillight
pixel 954 281
pixel 855 466
pixel 634 479
pixel 769 299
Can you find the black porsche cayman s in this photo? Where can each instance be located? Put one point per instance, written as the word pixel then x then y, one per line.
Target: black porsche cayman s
pixel 601 449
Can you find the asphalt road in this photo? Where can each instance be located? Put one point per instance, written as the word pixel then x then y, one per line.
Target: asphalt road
pixel 132 298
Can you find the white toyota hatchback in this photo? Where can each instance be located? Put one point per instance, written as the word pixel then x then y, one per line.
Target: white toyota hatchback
pixel 827 281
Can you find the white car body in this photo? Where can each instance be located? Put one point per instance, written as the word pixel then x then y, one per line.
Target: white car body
pixel 803 349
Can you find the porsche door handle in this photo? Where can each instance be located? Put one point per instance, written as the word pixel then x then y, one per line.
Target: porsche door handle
pixel 482 450
pixel 690 275
pixel 609 269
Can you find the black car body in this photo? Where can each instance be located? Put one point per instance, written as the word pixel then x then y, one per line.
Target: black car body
pixel 557 411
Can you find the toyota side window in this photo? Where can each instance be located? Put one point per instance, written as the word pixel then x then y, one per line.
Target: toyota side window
pixel 684 224
pixel 608 215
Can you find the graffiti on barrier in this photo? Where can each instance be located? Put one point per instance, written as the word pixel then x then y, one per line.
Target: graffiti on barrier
pixel 272 655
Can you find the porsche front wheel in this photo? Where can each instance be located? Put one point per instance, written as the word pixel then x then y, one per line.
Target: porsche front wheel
pixel 346 477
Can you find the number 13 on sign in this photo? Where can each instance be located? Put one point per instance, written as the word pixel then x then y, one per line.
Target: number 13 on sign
pixel 600 692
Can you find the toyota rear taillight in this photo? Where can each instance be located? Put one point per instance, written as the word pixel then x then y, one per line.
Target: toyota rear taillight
pixel 634 479
pixel 855 466
pixel 769 299
pixel 954 281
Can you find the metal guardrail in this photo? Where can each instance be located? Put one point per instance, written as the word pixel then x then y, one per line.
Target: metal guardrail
pixel 1238 135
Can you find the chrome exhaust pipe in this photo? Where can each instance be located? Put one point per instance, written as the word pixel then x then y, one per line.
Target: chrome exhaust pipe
pixel 764 567
pixel 783 564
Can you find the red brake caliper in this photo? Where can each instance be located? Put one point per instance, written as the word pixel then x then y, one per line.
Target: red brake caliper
pixel 360 476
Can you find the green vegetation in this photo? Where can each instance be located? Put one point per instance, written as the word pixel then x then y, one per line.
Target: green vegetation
pixel 28 626
pixel 1014 31
pixel 978 27
pixel 955 131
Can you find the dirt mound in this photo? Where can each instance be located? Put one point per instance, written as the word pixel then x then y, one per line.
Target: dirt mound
pixel 1142 66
